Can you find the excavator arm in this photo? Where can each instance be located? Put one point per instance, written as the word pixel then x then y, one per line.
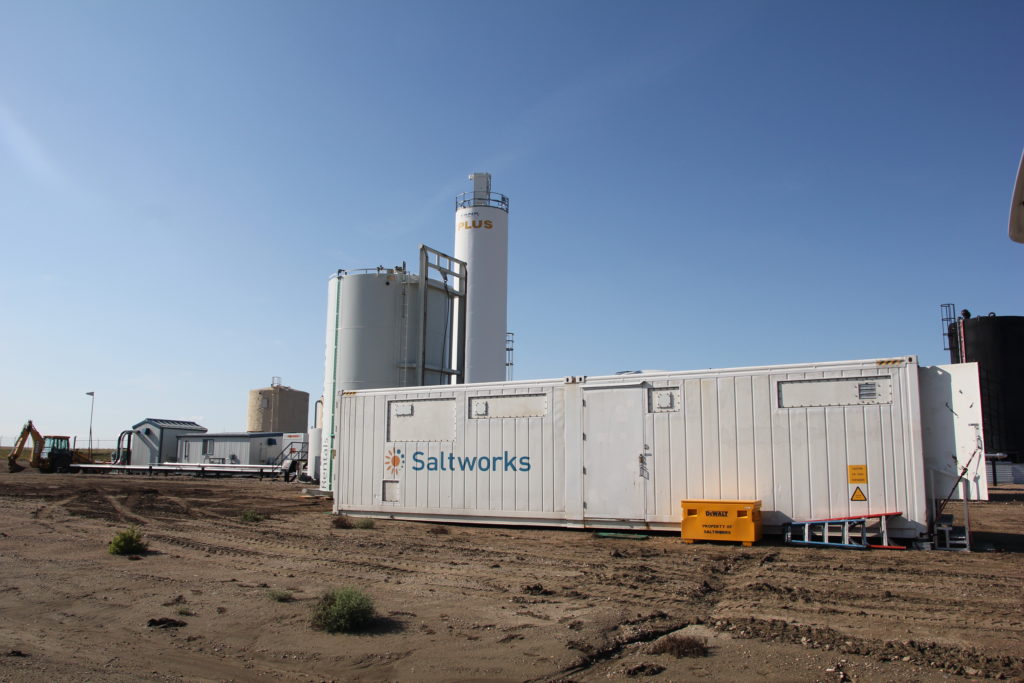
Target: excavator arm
pixel 27 431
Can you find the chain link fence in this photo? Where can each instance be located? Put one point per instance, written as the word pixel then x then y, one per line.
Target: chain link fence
pixel 77 442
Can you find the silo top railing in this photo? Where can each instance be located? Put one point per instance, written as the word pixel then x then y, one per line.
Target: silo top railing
pixel 498 201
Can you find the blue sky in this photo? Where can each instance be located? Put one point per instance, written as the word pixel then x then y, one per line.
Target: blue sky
pixel 693 184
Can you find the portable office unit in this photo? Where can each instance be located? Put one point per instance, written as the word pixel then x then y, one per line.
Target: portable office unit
pixel 242 448
pixel 155 440
pixel 810 441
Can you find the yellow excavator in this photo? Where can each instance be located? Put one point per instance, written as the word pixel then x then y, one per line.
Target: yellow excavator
pixel 49 453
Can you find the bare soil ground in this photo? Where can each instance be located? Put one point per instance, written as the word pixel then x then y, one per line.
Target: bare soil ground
pixel 473 603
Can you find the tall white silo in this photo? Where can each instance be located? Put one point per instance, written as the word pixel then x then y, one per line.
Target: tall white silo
pixel 481 240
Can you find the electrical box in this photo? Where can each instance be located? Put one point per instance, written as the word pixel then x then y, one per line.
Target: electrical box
pixel 721 520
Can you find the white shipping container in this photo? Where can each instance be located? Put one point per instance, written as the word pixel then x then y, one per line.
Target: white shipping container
pixel 810 441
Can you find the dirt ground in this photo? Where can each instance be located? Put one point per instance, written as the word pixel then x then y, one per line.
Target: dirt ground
pixel 473 603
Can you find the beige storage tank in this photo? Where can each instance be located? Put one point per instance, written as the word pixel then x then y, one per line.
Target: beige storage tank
pixel 277 409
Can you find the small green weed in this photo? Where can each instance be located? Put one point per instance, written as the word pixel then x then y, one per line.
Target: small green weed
pixel 365 523
pixel 252 517
pixel 128 542
pixel 343 610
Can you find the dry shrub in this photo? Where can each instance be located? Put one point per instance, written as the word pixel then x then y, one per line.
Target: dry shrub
pixel 128 542
pixel 343 610
pixel 342 522
pixel 280 595
pixel 680 646
pixel 439 530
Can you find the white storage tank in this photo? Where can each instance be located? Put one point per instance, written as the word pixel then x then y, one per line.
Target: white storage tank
pixel 371 339
pixel 375 332
pixel 481 240
pixel 313 461
pixel 374 340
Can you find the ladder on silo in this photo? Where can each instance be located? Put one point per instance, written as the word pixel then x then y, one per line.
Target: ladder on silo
pixel 857 533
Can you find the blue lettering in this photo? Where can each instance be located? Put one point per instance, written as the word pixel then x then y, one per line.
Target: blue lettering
pixel 449 462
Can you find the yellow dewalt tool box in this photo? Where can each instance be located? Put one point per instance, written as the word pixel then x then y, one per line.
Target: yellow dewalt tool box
pixel 721 520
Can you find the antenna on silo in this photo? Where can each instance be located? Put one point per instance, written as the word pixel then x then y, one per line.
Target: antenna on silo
pixel 509 353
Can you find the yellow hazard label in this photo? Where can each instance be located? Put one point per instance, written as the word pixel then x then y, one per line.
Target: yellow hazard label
pixel 857 474
pixel 858 495
pixel 889 361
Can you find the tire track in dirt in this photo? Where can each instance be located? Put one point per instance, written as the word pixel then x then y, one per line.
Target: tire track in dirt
pixel 46 510
pixel 946 658
pixel 123 511
pixel 191 511
pixel 577 600
pixel 898 599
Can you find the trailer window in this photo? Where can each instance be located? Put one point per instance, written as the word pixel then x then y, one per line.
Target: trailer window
pixel 532 405
pixel 207 446
pixel 422 420
pixel 835 391
pixel 663 400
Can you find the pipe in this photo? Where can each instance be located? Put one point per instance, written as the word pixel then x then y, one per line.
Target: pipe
pixel 125 454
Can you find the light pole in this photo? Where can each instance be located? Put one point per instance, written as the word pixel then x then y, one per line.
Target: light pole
pixel 91 406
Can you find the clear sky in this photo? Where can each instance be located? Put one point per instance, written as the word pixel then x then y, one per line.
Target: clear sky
pixel 692 184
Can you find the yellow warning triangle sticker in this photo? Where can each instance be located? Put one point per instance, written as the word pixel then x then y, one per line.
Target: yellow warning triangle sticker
pixel 858 495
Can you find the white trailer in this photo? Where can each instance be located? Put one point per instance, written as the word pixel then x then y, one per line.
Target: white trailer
pixel 811 441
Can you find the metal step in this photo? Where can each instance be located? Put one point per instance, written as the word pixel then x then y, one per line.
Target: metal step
pixel 855 533
pixel 949 536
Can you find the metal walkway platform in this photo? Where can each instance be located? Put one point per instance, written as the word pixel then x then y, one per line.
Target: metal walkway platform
pixel 197 469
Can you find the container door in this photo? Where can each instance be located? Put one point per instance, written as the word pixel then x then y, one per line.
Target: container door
pixel 613 445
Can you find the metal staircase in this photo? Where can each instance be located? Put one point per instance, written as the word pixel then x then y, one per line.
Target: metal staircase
pixel 296 452
pixel 858 533
pixel 950 537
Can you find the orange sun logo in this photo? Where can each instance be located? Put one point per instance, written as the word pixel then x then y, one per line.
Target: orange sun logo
pixel 393 461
